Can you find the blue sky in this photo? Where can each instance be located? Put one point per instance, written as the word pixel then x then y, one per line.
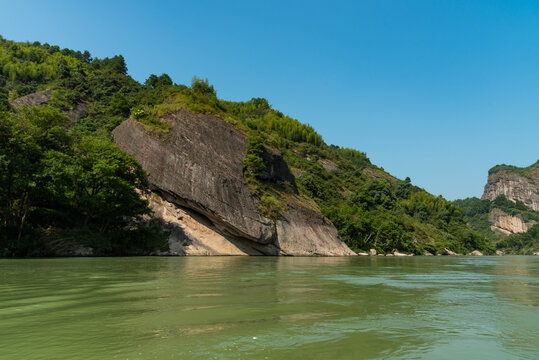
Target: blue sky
pixel 439 91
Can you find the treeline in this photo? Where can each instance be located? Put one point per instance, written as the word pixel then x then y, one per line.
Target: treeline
pixel 256 115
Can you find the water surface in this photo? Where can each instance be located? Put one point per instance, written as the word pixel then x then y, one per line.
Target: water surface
pixel 270 308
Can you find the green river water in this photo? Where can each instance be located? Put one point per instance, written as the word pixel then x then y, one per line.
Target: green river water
pixel 270 308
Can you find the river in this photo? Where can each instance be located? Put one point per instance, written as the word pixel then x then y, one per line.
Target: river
pixel 270 308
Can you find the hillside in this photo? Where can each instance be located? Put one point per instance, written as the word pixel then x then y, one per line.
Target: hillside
pixel 290 176
pixel 508 212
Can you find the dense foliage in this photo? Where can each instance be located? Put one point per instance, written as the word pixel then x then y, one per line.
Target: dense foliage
pixel 476 212
pixel 87 191
pixel 526 243
pixel 63 183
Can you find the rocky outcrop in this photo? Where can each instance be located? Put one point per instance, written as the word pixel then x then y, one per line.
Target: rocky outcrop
pixel 448 252
pixel 276 168
pixel 198 167
pixel 395 252
pixel 42 98
pixel 507 224
pixel 514 186
pixel 476 253
pixel 303 232
pixel 379 175
pixel 329 165
pixel 192 233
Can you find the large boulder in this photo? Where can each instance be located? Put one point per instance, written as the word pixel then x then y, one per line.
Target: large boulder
pixel 198 165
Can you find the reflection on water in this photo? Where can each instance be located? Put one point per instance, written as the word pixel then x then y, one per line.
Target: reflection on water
pixel 270 308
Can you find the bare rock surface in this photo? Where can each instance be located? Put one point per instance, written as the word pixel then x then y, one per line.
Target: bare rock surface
pixel 329 165
pixel 194 234
pixel 302 232
pixel 398 253
pixel 476 253
pixel 377 175
pixel 514 187
pixel 42 98
pixel 508 224
pixel 198 166
pixel 39 98
pixel 449 252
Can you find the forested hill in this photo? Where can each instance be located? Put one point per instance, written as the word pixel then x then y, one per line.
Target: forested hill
pixel 508 211
pixel 63 181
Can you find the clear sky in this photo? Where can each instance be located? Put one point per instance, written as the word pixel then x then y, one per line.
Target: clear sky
pixel 439 91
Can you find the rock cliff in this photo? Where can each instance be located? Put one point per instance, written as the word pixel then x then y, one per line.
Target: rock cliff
pixel 515 186
pixel 197 168
pixel 507 224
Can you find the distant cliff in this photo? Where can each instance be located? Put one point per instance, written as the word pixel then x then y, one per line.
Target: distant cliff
pixel 517 185
pixel 508 224
pixel 509 208
pixel 514 183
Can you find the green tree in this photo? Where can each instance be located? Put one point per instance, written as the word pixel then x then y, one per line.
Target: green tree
pixel 375 192
pixel 202 86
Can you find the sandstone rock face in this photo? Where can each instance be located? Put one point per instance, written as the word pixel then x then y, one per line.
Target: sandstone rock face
pixel 514 187
pixel 193 234
pixel 374 174
pixel 198 166
pixel 42 98
pixel 300 231
pixel 276 167
pixel 329 165
pixel 507 224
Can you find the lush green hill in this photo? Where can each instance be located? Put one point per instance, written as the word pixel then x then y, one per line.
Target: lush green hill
pixel 369 207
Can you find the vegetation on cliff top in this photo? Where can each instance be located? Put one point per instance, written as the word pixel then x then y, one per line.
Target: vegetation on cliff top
pixel 369 207
pixel 522 171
